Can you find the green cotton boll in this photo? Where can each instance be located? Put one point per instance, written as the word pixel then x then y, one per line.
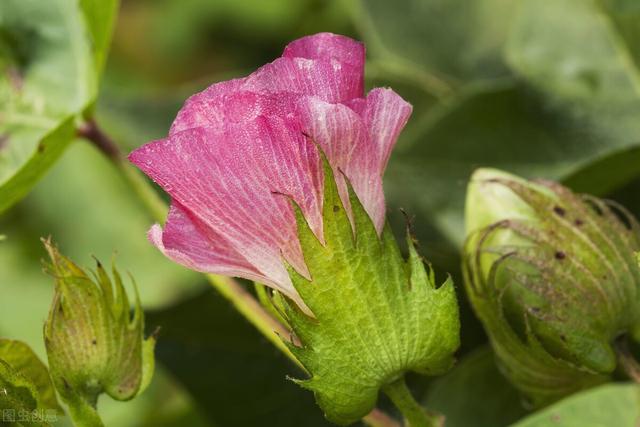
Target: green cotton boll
pixel 554 278
pixel 94 344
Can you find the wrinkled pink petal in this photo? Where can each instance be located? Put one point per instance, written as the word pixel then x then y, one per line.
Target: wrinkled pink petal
pixel 385 114
pixel 341 134
pixel 202 109
pixel 327 78
pixel 189 242
pixel 358 142
pixel 228 178
pixel 327 45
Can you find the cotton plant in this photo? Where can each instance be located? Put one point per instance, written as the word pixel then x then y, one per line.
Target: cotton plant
pixel 277 178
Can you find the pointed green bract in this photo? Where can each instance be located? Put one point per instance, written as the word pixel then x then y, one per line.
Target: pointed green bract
pixel 553 277
pixel 93 343
pixel 377 316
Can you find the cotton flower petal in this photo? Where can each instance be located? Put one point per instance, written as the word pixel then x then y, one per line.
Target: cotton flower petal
pixel 203 108
pixel 385 114
pixel 188 241
pixel 228 180
pixel 327 78
pixel 327 45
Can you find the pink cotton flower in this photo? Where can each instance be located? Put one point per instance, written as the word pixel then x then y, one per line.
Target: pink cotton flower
pixel 238 143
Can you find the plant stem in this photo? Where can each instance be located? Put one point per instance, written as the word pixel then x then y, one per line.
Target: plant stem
pixel 229 288
pixel 414 414
pixel 82 413
pixel 628 363
pixel 251 309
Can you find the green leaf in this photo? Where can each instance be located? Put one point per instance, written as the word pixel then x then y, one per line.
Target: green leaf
pixel 52 54
pixel 23 173
pixel 475 393
pixel 100 16
pixel 23 360
pixel 592 57
pixel 608 405
pixel 502 125
pixel 574 103
pixel 419 37
pixel 18 398
pixel 376 316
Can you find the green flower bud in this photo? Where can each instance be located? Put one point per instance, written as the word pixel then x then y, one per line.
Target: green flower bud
pixel 93 343
pixel 554 278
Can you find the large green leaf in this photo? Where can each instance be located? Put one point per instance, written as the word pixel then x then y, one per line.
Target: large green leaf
pixel 573 104
pixel 51 56
pixel 452 40
pixel 613 405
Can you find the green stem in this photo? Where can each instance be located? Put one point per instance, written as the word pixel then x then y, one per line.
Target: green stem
pixel 82 413
pixel 414 414
pixel 255 313
pixel 229 288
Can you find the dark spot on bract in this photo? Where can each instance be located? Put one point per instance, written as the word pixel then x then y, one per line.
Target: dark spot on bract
pixel 94 342
pixel 578 222
pixel 336 208
pixel 560 255
pixel 558 210
pixel 563 338
pixel 41 147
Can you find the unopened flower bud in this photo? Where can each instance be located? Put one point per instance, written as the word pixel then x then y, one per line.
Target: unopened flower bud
pixel 554 278
pixel 94 344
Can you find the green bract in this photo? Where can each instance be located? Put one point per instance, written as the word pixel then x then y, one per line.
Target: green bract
pixel 377 316
pixel 93 343
pixel 554 278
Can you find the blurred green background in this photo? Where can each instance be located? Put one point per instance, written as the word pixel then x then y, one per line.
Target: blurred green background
pixel 542 88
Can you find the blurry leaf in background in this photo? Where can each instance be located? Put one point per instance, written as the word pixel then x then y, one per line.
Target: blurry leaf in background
pixel 202 41
pixel 608 405
pixel 235 375
pixel 51 54
pixel 23 360
pixel 570 99
pixel 88 209
pixel 474 393
pixel 453 40
pixel 85 221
